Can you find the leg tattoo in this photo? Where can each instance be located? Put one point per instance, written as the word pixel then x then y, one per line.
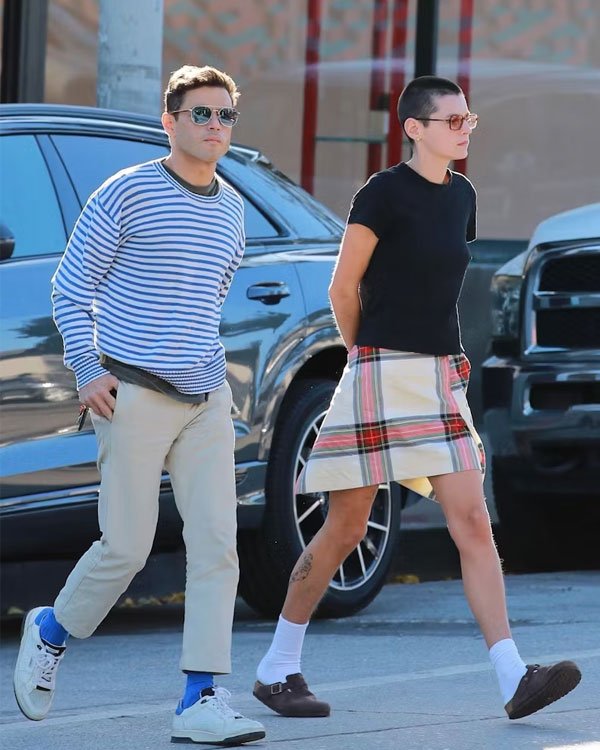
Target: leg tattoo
pixel 303 568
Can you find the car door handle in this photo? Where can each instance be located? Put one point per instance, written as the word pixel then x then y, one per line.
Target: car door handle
pixel 268 292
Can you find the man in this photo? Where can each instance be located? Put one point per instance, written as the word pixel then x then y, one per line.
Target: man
pixel 400 411
pixel 137 298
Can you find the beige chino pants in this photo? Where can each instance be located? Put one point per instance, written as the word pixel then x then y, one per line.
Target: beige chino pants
pixel 195 443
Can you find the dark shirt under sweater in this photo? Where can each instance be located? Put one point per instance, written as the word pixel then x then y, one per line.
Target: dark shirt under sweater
pixel 410 290
pixel 136 375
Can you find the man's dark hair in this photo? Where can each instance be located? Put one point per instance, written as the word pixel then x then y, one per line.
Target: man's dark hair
pixel 190 77
pixel 418 98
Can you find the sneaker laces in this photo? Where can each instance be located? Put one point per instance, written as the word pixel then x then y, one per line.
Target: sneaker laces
pixel 221 697
pixel 46 664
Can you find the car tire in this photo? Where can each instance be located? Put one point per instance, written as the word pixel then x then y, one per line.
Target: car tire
pixel 268 554
pixel 543 531
pixel 522 537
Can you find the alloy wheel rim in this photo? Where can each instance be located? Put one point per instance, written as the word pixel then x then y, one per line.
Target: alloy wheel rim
pixel 310 511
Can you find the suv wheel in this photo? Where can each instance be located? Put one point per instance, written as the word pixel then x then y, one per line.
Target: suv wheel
pixel 268 555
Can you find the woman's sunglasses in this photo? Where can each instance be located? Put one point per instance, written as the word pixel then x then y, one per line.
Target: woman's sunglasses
pixel 455 122
pixel 201 115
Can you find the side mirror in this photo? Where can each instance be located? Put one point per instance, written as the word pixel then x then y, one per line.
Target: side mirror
pixel 7 242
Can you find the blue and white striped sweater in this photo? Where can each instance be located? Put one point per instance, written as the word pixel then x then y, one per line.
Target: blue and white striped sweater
pixel 144 277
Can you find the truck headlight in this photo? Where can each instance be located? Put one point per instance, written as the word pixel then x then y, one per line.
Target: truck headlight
pixel 506 293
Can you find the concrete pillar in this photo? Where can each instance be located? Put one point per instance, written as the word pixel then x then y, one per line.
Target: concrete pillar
pixel 130 55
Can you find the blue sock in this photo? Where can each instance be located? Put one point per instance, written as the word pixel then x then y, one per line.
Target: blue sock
pixel 51 631
pixel 196 683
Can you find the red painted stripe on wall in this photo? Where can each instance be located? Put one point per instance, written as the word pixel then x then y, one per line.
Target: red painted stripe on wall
pixel 398 76
pixel 378 50
pixel 311 94
pixel 465 38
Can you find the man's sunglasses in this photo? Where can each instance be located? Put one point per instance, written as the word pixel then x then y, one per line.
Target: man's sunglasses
pixel 201 115
pixel 455 122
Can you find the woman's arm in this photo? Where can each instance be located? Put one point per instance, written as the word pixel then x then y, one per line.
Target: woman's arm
pixel 356 250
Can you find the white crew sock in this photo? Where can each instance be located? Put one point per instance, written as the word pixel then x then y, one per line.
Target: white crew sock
pixel 283 657
pixel 508 665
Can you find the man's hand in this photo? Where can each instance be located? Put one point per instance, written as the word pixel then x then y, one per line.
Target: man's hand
pixel 98 397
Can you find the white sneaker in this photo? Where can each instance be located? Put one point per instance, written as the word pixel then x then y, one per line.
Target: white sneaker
pixel 211 720
pixel 35 672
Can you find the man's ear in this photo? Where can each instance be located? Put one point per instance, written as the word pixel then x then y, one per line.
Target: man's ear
pixel 168 122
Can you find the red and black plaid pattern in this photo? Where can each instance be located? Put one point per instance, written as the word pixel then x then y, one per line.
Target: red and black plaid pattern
pixel 461 371
pixel 371 436
pixel 396 416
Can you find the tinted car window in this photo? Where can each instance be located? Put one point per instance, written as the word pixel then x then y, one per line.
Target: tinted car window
pixel 28 203
pixel 256 224
pixel 309 219
pixel 92 159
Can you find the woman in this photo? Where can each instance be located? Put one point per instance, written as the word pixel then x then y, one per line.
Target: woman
pixel 400 411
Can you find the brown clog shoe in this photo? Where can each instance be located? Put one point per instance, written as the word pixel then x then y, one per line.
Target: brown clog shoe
pixel 291 698
pixel 541 686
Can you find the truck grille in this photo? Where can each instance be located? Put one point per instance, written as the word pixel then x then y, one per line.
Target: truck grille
pixel 579 273
pixel 566 300
pixel 569 329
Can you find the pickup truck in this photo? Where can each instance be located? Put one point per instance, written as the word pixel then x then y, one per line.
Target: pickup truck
pixel 541 395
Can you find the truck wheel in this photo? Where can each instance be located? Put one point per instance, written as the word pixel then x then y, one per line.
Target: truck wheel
pixel 527 539
pixel 268 554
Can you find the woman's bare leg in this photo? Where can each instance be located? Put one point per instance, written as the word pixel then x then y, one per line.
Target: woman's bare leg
pixel 463 503
pixel 344 528
pixel 523 691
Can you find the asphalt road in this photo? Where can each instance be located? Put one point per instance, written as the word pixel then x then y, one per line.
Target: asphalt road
pixel 409 673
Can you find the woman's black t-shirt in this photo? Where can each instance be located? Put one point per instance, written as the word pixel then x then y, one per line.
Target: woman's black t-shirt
pixel 410 290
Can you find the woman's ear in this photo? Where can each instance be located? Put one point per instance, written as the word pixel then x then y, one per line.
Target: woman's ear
pixel 412 128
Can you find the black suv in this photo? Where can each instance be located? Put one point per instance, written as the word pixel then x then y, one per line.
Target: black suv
pixel 541 394
pixel 283 350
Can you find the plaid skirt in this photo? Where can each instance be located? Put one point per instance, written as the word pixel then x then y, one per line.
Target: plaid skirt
pixel 395 417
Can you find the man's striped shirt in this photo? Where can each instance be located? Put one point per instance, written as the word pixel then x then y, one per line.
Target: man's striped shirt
pixel 144 277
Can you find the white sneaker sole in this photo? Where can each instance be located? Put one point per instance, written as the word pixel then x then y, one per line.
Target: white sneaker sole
pixel 27 623
pixel 208 738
